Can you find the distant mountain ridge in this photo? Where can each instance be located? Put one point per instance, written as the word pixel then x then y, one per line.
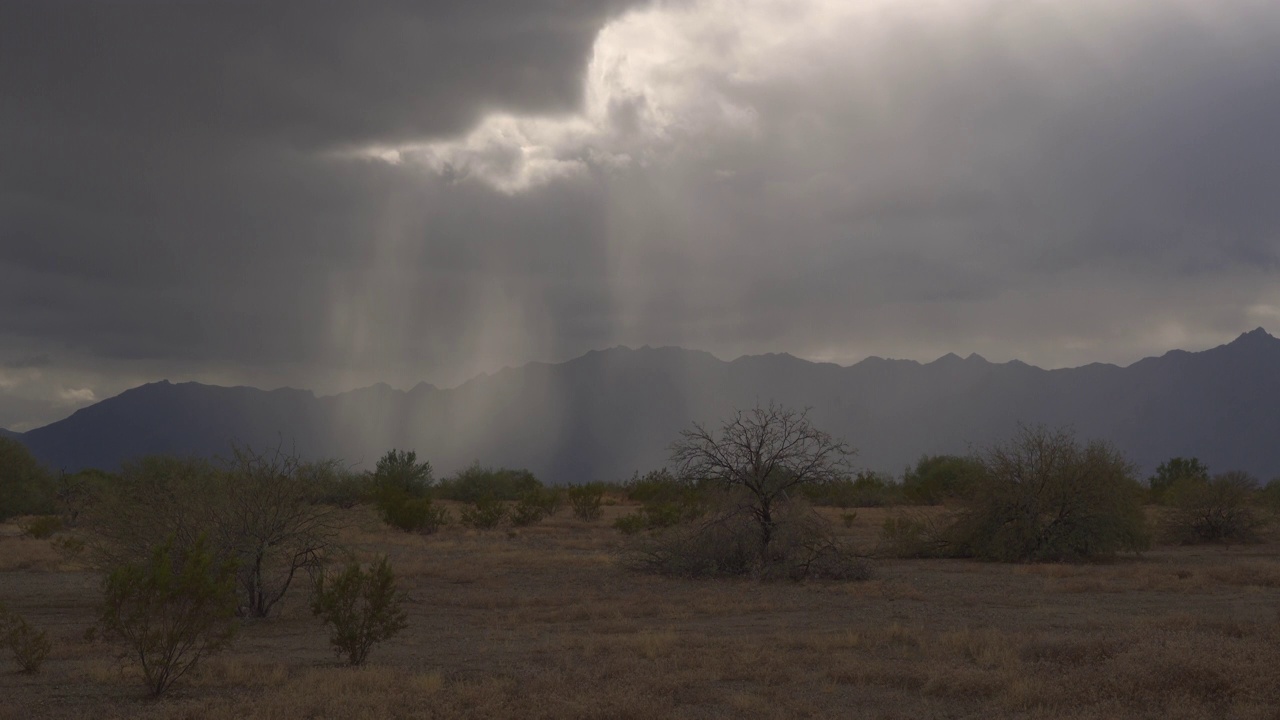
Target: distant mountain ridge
pixel 610 412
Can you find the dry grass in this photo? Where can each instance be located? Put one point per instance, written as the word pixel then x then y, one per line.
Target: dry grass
pixel 543 623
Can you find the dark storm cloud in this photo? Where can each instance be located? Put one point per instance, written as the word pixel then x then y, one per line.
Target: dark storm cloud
pixel 193 189
pixel 29 361
pixel 293 71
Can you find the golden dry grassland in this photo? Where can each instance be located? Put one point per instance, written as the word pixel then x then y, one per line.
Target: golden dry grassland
pixel 544 622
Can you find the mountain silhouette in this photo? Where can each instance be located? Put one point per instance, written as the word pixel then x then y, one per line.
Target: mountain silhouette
pixel 611 412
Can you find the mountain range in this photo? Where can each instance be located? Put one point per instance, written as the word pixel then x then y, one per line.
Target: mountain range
pixel 611 412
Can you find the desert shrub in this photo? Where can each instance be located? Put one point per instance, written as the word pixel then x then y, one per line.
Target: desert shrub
pixel 586 500
pixel 728 545
pixel 419 515
pixel 399 472
pixel 1268 496
pixel 866 489
pixel 344 488
pixel 259 510
pixel 1172 472
pixel 631 523
pixel 937 479
pixel 28 645
pixel 155 499
pixel 907 535
pixel 666 501
pixel 40 527
pixel 477 482
pixel 171 610
pixel 534 505
pixel 362 608
pixel 74 493
pixel 1044 496
pixel 483 514
pixel 1214 510
pixel 26 488
pixel 662 512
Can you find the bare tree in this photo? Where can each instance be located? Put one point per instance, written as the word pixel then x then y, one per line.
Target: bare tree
pixel 269 519
pixel 766 452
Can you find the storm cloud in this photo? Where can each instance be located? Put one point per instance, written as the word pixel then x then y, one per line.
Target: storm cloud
pixel 328 195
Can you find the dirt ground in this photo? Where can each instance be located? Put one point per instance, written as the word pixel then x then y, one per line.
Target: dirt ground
pixel 544 622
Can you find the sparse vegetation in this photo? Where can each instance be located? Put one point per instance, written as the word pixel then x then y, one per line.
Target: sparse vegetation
pixel 665 502
pixel 171 610
pixel 361 607
pixel 484 513
pixel 586 501
pixel 40 527
pixel 28 645
pixel 866 489
pixel 556 589
pixel 534 506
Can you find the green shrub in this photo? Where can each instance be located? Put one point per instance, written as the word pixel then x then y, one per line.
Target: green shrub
pixel 631 523
pixel 1172 472
pixel 938 479
pixel 1043 496
pixel 412 514
pixel 170 611
pixel 658 514
pixel 1218 510
pixel 29 646
pixel 484 514
pixel 26 488
pixel 586 500
pixel 399 472
pixel 361 607
pixel 534 505
pixel 74 494
pixel 345 489
pixel 477 482
pixel 866 489
pixel 40 527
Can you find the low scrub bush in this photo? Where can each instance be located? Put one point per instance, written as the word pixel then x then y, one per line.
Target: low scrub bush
pixel 586 501
pixel 28 645
pixel 658 514
pixel 728 545
pixel 907 535
pixel 477 483
pixel 361 607
pixel 40 527
pixel 534 506
pixel 484 514
pixel 171 610
pixel 867 489
pixel 412 514
pixel 1218 510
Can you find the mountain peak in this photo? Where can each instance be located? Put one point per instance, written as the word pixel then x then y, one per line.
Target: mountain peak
pixel 1255 335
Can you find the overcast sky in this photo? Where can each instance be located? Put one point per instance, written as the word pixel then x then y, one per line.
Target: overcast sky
pixel 326 195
